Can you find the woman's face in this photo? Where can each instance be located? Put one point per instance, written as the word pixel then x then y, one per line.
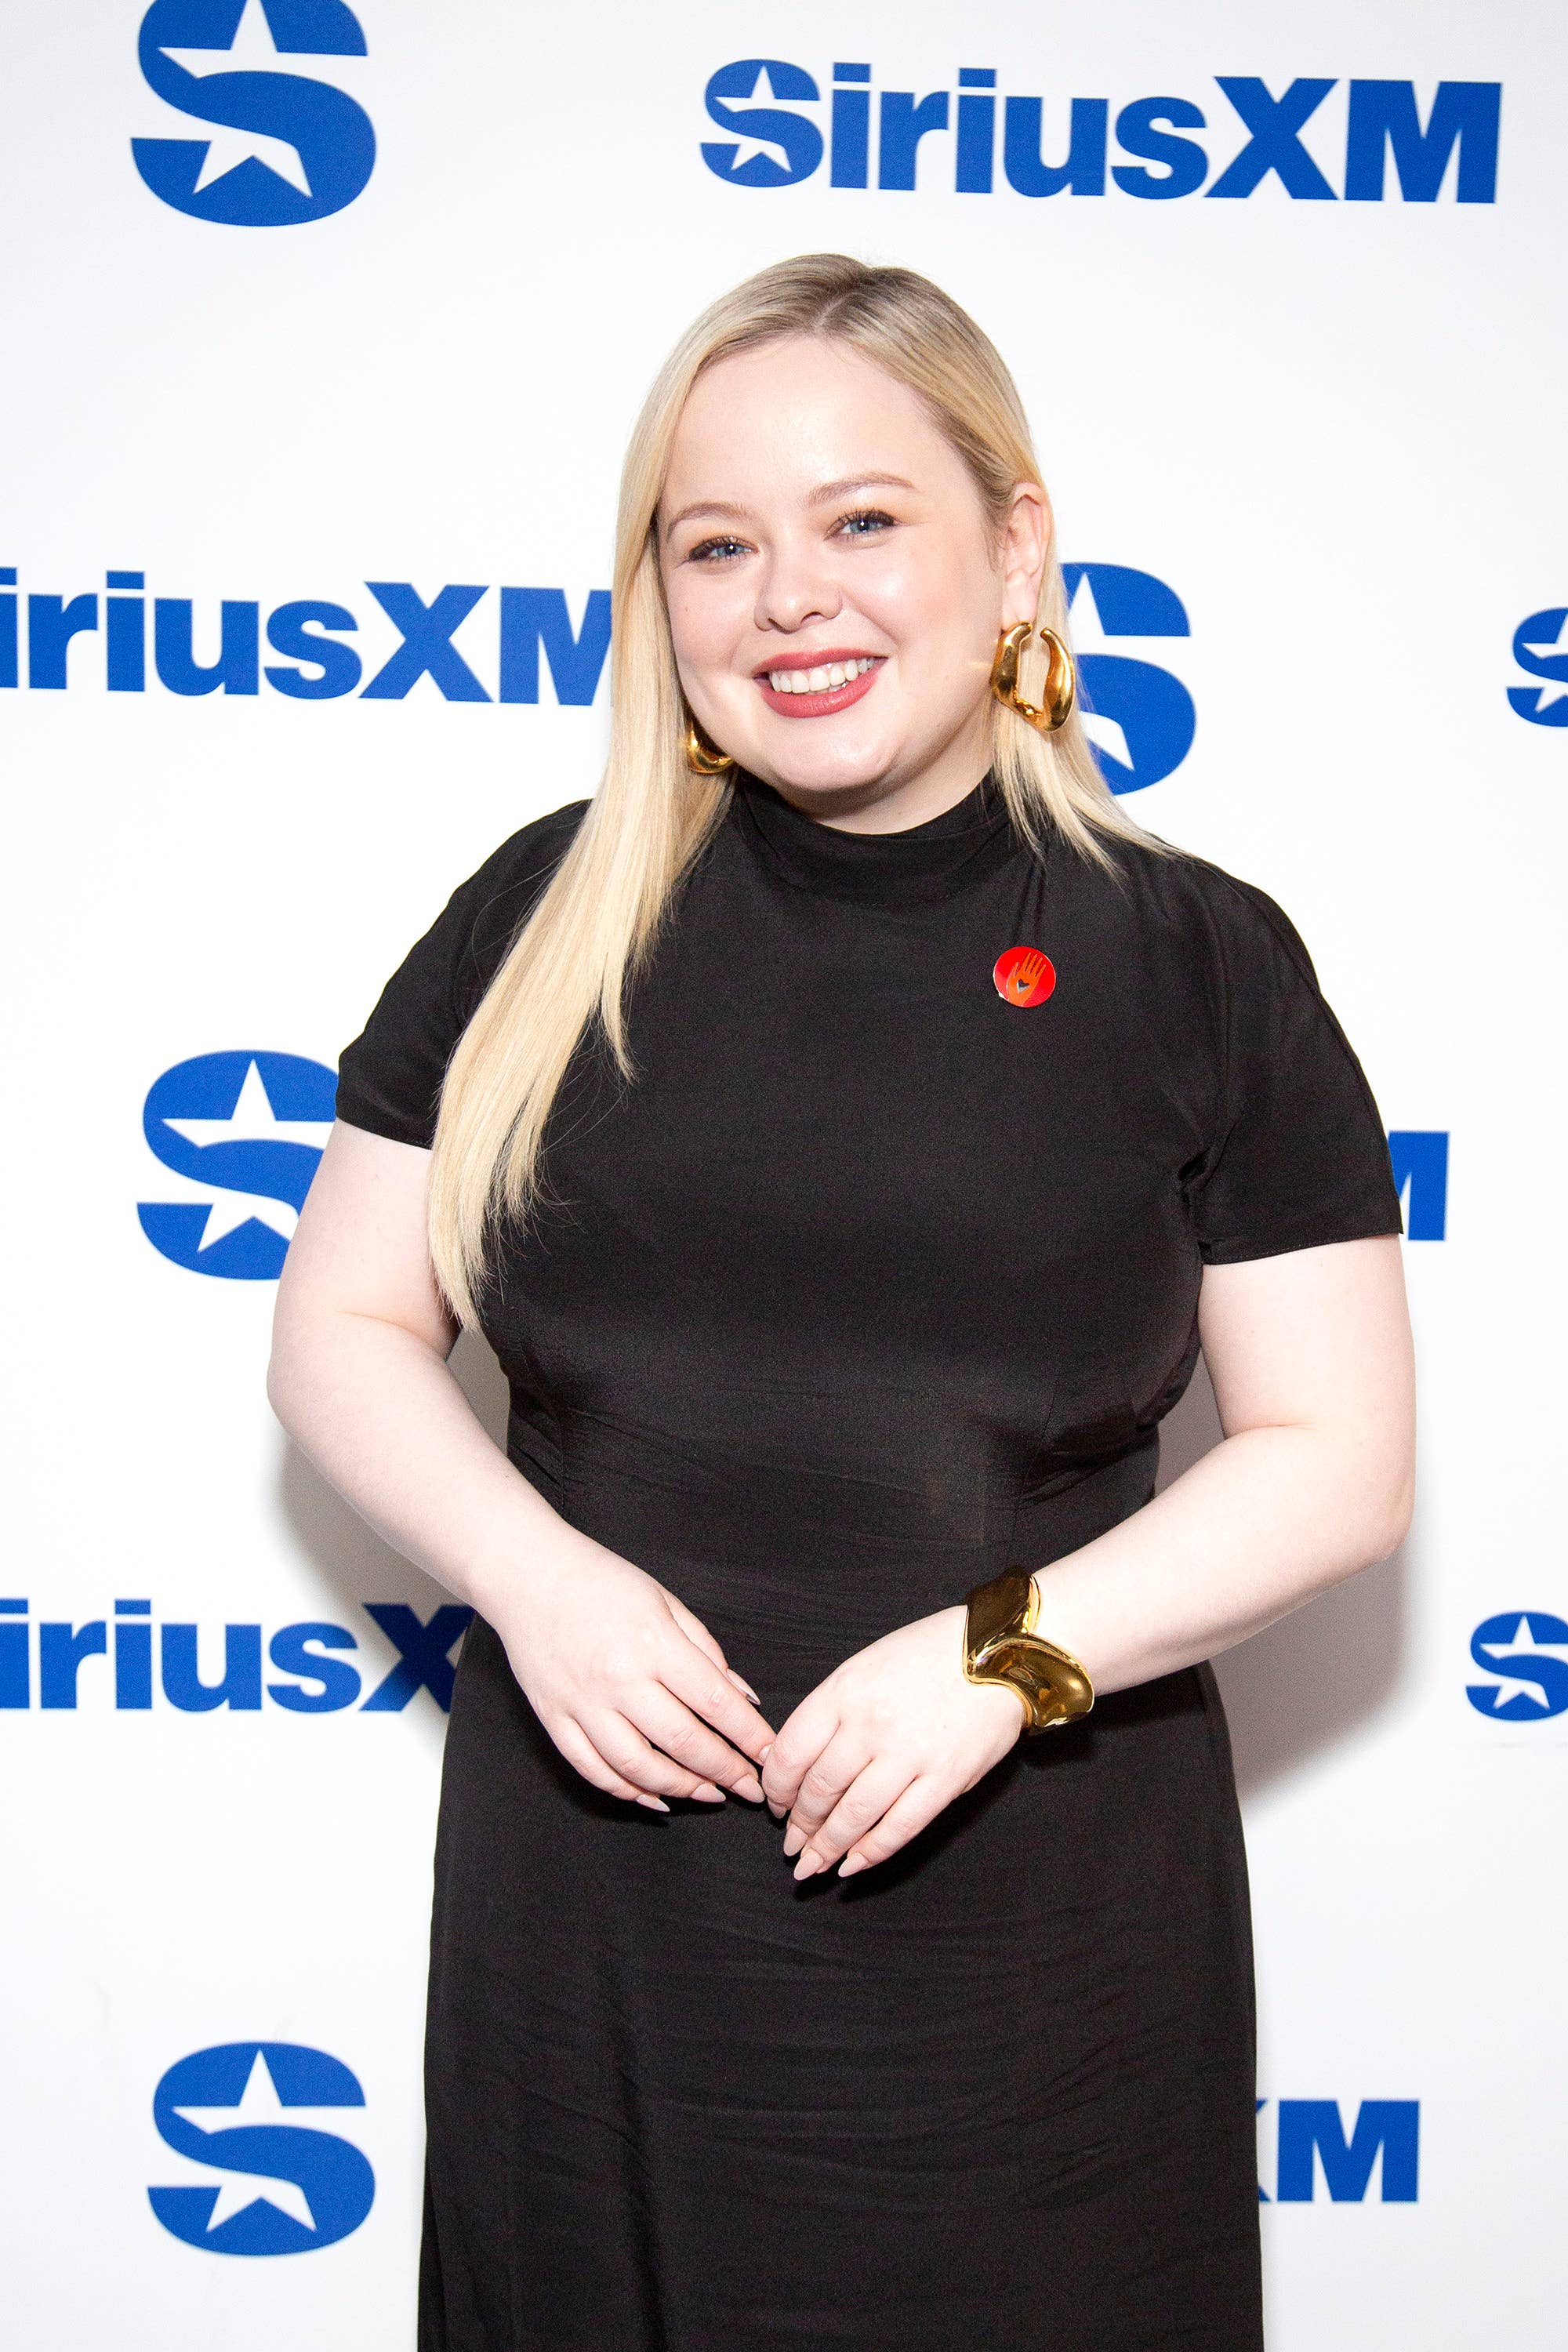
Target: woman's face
pixel 834 586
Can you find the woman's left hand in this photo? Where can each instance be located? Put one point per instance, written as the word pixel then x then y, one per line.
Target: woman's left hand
pixel 874 1753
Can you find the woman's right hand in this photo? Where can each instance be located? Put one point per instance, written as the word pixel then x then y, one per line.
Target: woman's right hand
pixel 632 1688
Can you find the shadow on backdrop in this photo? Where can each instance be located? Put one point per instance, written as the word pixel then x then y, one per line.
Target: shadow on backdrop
pixel 1289 1692
pixel 1299 1686
pixel 348 1559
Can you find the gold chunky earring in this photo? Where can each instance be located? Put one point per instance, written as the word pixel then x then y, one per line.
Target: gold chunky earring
pixel 1061 685
pixel 700 755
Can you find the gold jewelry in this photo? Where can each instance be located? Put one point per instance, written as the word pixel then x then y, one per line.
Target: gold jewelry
pixel 1061 682
pixel 701 757
pixel 1000 1645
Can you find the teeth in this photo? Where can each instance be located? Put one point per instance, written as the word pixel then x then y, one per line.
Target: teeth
pixel 818 682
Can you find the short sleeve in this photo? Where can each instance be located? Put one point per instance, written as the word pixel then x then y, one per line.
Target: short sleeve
pixel 1299 1155
pixel 390 1077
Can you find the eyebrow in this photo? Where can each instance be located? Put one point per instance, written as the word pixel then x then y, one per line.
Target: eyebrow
pixel 824 495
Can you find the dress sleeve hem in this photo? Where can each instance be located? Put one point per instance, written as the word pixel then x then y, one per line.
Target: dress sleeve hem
pixel 372 1120
pixel 1242 1249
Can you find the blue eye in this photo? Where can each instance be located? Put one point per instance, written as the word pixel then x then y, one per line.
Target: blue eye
pixel 710 550
pixel 867 522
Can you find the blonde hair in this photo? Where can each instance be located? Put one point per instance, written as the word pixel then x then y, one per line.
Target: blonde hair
pixel 596 921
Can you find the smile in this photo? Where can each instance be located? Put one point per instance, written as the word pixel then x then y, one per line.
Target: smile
pixel 814 690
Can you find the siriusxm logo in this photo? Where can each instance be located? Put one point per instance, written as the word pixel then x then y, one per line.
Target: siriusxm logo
pixel 1312 2145
pixel 1419 1157
pixel 1524 1655
pixel 1540 649
pixel 284 146
pixel 307 633
pixel 314 1675
pixel 255 2113
pixel 976 140
pixel 251 1127
pixel 1139 717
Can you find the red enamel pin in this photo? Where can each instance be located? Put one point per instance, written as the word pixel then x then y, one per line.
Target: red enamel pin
pixel 1023 976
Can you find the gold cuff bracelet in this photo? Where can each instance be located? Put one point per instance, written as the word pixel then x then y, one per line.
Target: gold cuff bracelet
pixel 1000 1645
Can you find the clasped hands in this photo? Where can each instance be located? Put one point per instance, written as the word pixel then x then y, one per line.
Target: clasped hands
pixel 638 1695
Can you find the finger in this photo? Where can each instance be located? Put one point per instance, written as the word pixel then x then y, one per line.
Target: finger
pixel 691 1625
pixel 801 1740
pixel 634 1758
pixel 904 1819
pixel 584 1760
pixel 870 1795
pixel 709 1692
pixel 822 1784
pixel 671 1726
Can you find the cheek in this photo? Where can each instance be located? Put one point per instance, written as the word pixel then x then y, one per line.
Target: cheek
pixel 934 608
pixel 706 617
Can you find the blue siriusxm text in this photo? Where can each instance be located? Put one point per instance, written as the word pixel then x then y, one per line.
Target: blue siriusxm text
pixel 1314 2148
pixel 306 1668
pixel 978 140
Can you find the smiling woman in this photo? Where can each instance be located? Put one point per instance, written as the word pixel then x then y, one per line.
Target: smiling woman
pixel 825 592
pixel 845 1129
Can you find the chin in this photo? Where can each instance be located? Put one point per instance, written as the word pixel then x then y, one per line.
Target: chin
pixel 823 767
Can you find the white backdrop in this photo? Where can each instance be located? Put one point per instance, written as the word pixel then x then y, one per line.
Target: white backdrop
pixel 1324 428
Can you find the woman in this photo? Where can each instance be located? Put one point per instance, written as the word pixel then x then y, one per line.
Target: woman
pixel 844 1127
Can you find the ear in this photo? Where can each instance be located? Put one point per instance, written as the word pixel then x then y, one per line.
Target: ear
pixel 1027 535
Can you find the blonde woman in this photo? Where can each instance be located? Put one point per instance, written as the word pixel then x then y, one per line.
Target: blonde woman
pixel 844 1127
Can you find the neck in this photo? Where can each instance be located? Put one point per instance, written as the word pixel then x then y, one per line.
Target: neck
pixel 896 801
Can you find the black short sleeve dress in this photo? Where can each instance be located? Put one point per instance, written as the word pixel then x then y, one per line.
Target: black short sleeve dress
pixel 876 1281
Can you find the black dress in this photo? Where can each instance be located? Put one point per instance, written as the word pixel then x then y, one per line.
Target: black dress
pixel 873 1282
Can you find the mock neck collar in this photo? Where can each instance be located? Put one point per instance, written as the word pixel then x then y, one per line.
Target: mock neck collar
pixel 921 865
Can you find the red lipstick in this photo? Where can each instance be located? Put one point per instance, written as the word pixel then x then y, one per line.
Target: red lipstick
pixel 831 699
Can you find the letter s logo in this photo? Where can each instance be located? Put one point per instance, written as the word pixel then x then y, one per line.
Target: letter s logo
pixel 253 2111
pixel 289 148
pixel 1526 1651
pixel 251 1128
pixel 746 166
pixel 1540 649
pixel 1139 717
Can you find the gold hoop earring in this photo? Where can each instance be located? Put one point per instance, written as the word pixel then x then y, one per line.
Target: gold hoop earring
pixel 700 755
pixel 1061 684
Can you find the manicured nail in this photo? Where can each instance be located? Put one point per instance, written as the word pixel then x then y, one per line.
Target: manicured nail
pixel 794 1838
pixel 763 1753
pixel 808 1866
pixel 709 1793
pixel 750 1788
pixel 655 1804
pixel 850 1865
pixel 742 1684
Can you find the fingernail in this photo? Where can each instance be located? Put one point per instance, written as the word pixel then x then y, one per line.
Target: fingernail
pixel 707 1793
pixel 742 1684
pixel 655 1804
pixel 794 1838
pixel 750 1787
pixel 808 1866
pixel 763 1753
pixel 850 1865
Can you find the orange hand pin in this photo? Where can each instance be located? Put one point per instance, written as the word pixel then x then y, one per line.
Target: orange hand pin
pixel 1023 976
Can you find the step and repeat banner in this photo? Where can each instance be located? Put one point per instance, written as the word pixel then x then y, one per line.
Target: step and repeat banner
pixel 325 325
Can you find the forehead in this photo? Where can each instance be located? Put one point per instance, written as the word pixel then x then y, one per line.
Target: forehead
pixel 786 416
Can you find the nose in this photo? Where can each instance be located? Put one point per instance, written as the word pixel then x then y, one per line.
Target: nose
pixel 797 586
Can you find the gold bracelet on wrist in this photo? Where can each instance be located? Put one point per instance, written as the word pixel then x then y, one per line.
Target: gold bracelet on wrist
pixel 1000 1645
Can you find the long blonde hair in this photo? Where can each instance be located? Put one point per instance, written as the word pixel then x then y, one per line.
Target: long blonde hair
pixel 595 923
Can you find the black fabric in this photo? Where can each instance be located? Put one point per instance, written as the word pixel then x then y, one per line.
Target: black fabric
pixel 870 1285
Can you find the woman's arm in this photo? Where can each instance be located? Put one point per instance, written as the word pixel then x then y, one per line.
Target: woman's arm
pixel 1313 1374
pixel 631 1686
pixel 1311 1358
